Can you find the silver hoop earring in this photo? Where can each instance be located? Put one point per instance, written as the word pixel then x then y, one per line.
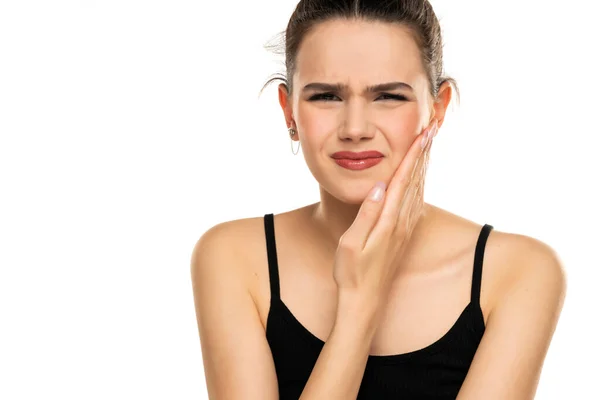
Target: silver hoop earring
pixel 292 132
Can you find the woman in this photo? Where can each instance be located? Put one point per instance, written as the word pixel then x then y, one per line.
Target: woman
pixel 371 293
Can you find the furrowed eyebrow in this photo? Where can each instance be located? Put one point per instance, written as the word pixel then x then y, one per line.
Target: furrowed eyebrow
pixel 370 89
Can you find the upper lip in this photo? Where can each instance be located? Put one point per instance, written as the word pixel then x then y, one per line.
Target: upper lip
pixel 357 156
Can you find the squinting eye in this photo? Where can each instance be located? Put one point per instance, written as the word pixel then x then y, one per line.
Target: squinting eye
pixel 322 96
pixel 330 96
pixel 394 96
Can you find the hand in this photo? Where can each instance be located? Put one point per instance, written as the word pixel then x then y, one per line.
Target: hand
pixel 369 252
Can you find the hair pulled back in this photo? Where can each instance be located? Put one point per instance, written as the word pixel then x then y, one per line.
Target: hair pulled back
pixel 416 15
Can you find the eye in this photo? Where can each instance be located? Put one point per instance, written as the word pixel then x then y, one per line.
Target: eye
pixel 330 96
pixel 322 96
pixel 394 96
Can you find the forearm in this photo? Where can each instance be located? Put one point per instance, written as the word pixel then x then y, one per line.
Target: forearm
pixel 338 372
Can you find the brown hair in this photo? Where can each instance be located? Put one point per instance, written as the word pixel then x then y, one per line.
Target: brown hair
pixel 417 15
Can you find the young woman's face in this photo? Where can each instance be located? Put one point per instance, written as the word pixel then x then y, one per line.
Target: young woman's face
pixel 356 55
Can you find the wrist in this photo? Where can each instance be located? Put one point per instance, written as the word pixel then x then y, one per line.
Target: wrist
pixel 358 312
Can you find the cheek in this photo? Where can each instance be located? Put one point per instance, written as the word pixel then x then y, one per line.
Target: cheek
pixel 315 123
pixel 400 128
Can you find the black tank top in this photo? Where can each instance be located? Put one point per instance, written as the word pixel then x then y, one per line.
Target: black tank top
pixel 434 372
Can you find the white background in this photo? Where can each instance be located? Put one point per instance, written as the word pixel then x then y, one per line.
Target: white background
pixel 128 128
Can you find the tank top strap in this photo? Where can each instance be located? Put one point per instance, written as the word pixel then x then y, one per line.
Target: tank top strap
pixel 272 256
pixel 478 264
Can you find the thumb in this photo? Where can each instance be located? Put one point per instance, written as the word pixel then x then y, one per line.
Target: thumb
pixel 367 216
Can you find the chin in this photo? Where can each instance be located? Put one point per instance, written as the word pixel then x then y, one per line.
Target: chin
pixel 345 189
pixel 352 193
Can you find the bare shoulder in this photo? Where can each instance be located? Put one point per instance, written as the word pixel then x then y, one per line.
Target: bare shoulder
pixel 520 260
pixel 236 250
pixel 525 255
pixel 511 260
pixel 232 232
pixel 230 241
pixel 522 320
pixel 236 355
pixel 216 262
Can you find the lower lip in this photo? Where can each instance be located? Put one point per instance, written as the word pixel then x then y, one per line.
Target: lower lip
pixel 358 164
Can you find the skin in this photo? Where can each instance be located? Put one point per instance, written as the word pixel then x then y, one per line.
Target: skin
pixel 357 54
pixel 523 280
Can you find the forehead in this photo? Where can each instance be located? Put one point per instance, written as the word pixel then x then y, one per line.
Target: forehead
pixel 362 51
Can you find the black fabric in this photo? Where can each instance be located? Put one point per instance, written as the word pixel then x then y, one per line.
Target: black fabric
pixel 434 372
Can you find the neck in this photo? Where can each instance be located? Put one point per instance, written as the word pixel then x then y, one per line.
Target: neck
pixel 331 218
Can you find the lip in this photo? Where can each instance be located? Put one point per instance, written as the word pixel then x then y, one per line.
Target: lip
pixel 357 165
pixel 351 155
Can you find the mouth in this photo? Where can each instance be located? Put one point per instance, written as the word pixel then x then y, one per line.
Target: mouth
pixel 351 155
pixel 358 164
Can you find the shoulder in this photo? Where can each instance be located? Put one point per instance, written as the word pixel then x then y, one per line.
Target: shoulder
pixel 524 313
pixel 235 352
pixel 222 248
pixel 230 233
pixel 525 257
pixel 527 265
pixel 513 263
pixel 522 321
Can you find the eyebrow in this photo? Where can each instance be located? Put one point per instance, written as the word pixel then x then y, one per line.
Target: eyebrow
pixel 369 89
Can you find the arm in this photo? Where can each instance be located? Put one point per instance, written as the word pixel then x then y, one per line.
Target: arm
pixel 238 363
pixel 340 367
pixel 508 362
pixel 236 355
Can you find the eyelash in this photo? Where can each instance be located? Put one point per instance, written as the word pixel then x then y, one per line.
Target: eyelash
pixel 322 96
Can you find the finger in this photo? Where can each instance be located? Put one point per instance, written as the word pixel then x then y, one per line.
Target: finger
pixel 411 212
pixel 433 131
pixel 405 217
pixel 416 206
pixel 418 177
pixel 418 182
pixel 368 214
pixel 418 174
pixel 395 193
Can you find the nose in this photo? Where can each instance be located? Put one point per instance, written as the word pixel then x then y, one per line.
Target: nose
pixel 356 125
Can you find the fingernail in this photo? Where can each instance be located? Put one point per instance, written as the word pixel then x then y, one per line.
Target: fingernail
pixel 425 139
pixel 435 128
pixel 377 192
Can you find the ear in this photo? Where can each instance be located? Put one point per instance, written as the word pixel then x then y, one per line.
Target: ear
pixel 286 105
pixel 440 106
